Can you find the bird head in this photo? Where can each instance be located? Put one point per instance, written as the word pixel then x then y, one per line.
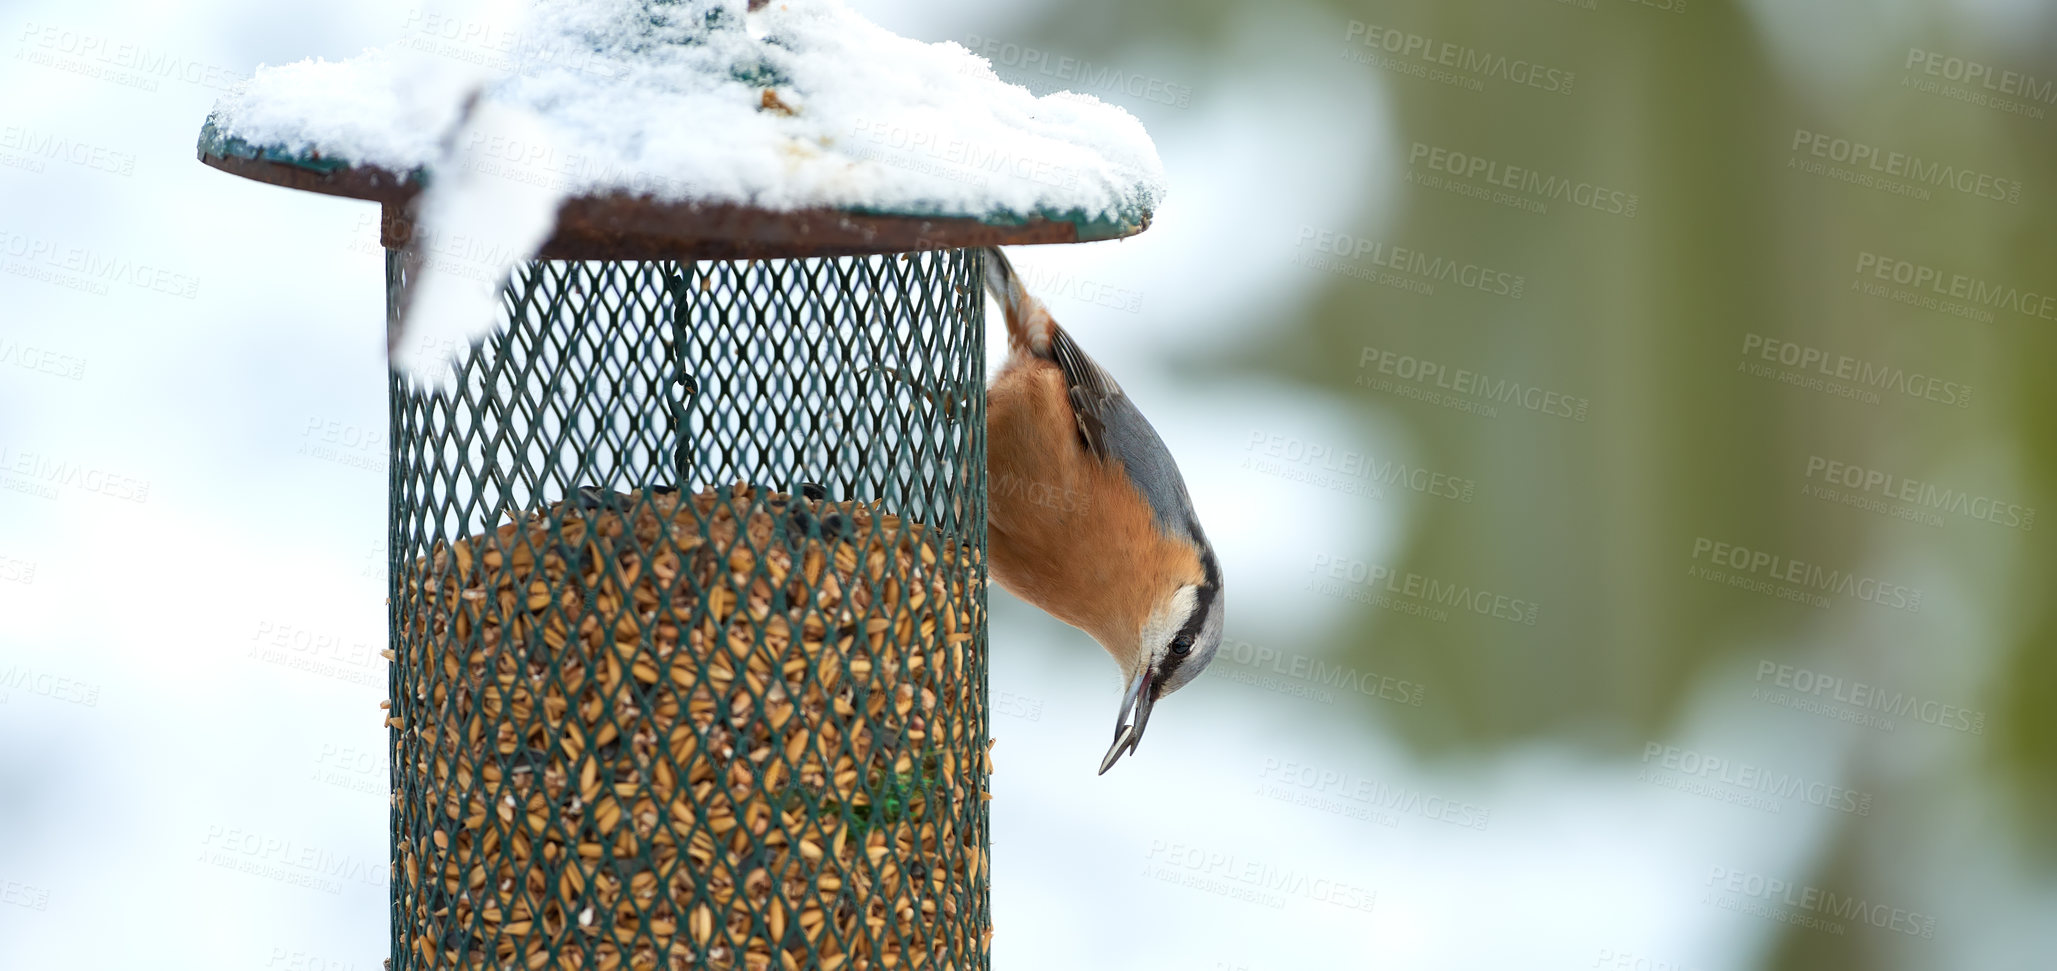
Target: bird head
pixel 1176 641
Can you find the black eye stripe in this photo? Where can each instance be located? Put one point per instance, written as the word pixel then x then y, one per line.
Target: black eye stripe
pixel 1164 674
pixel 1203 598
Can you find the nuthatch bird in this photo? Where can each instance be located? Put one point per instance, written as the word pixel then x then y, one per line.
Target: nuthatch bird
pixel 1087 517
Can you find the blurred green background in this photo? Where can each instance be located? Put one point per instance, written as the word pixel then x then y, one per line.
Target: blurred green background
pixel 1754 232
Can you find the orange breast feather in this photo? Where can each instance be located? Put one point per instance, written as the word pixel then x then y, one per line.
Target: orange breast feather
pixel 1064 531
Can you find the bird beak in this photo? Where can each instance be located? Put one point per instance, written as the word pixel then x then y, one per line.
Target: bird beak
pixel 1126 735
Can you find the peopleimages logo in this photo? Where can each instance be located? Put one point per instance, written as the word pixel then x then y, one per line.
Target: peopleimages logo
pixel 45 684
pixel 1325 673
pixel 1479 168
pixel 1900 165
pixel 32 358
pixel 1424 591
pixel 37 145
pixel 1808 365
pixel 1867 697
pixel 1411 47
pixel 1926 495
pixel 45 474
pixel 82 268
pixel 1254 880
pixel 1081 73
pixel 1755 778
pixel 1960 286
pixel 1823 903
pixel 1806 579
pixel 972 158
pixel 1348 465
pixel 1413 263
pixel 1461 381
pixel 1965 71
pixel 24 896
pixel 122 62
pixel 1367 793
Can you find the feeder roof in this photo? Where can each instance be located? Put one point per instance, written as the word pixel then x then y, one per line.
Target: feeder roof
pixel 798 129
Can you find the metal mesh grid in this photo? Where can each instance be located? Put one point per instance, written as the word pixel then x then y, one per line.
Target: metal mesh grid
pixel 689 622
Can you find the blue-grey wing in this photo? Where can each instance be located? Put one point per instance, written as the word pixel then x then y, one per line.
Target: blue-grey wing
pixel 1109 426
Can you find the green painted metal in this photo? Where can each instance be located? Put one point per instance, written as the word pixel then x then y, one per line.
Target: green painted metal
pixel 214 142
pixel 1127 221
pixel 615 384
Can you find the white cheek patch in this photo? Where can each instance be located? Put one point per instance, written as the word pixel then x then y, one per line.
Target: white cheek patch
pixel 1165 622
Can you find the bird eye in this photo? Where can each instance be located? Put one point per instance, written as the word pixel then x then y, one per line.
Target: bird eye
pixel 1182 644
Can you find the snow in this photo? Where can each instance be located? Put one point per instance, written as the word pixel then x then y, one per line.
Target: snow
pixel 802 104
pixel 455 301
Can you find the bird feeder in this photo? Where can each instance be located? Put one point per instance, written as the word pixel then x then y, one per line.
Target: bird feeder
pixel 687 570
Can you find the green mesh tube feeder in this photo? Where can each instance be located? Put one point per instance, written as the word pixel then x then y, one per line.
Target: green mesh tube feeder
pixel 687 586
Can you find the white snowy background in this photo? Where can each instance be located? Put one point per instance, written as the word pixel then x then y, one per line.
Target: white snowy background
pixel 194 650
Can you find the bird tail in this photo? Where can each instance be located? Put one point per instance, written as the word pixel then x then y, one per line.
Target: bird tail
pixel 1028 323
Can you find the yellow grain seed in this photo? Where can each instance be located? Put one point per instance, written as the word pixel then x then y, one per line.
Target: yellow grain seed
pixel 702 922
pixel 778 704
pixel 700 847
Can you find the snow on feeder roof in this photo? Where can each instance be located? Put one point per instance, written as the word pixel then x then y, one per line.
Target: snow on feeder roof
pixel 692 128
